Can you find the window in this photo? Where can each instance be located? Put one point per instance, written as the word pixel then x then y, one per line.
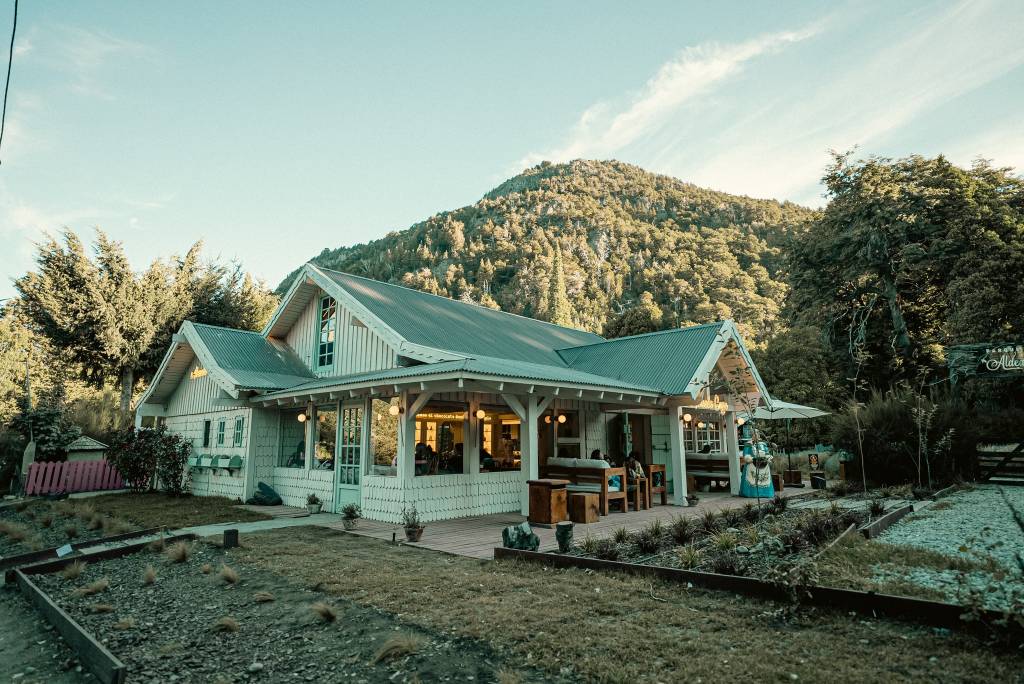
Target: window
pixel 292 447
pixel 383 437
pixel 325 444
pixel 207 427
pixel 567 433
pixel 499 440
pixel 325 343
pixel 707 436
pixel 349 439
pixel 239 428
pixel 439 439
pixel 220 431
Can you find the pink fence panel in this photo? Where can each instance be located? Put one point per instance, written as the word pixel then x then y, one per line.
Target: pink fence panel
pixel 76 476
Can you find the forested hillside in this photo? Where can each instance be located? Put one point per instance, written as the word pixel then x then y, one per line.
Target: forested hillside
pixel 635 251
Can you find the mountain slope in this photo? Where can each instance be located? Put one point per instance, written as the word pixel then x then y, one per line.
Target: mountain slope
pixel 701 254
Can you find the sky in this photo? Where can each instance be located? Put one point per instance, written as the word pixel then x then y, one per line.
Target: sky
pixel 274 130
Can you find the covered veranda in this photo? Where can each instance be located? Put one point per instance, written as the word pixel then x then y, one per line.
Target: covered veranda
pixel 461 439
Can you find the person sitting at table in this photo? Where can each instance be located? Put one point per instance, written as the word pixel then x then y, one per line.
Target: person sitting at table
pixel 298 457
pixel 486 460
pixel 596 454
pixel 634 468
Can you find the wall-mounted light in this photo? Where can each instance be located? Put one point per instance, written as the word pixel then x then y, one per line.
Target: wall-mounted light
pixel 480 413
pixel 687 417
pixel 561 417
pixel 394 409
pixel 547 419
pixel 740 421
pixel 303 417
pixel 701 425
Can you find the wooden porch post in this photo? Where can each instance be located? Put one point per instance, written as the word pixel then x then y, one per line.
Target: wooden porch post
pixel 406 441
pixel 529 412
pixel 732 449
pixel 677 452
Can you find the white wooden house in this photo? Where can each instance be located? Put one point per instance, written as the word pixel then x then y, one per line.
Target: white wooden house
pixel 367 392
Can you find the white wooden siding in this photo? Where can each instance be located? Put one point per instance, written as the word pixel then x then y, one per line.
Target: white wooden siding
pixel 356 348
pixel 193 395
pixel 442 497
pixel 205 482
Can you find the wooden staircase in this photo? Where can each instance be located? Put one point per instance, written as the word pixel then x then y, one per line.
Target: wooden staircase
pixel 1001 466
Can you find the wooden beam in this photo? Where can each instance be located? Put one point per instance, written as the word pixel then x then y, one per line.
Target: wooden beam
pixel 516 406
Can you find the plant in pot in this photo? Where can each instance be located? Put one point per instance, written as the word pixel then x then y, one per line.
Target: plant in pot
pixel 350 515
pixel 412 524
pixel 313 503
pixel 692 499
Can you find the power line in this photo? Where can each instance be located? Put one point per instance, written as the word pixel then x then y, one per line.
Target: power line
pixel 10 62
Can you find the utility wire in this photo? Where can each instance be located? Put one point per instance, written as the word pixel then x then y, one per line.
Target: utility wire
pixel 10 62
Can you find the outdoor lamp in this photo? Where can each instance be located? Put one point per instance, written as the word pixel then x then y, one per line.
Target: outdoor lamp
pixel 480 413
pixel 701 425
pixel 394 409
pixel 740 421
pixel 547 419
pixel 561 417
pixel 302 417
pixel 687 417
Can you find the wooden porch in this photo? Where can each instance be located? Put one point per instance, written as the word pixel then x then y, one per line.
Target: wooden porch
pixel 476 537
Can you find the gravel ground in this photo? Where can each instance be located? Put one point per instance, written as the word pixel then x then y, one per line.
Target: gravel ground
pixel 166 631
pixel 972 524
pixel 31 651
pixel 976 518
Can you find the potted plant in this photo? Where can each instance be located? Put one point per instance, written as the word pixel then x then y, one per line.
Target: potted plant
pixel 313 503
pixel 412 524
pixel 350 515
pixel 692 499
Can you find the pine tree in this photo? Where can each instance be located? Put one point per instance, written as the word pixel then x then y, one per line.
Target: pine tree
pixel 558 302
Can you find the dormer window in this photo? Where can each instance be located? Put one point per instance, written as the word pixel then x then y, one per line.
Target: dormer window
pixel 325 344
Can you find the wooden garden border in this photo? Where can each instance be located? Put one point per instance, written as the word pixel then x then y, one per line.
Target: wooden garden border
pixel 36 556
pixel 107 668
pixel 95 657
pixel 873 529
pixel 933 613
pixel 945 491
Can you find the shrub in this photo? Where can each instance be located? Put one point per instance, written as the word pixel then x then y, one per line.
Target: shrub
pixel 778 505
pixel 876 507
pixel 725 541
pixel 620 535
pixel 351 511
pixel 147 454
pixel 647 541
pixel 689 556
pixel 588 544
pixel 682 529
pixel 727 564
pixel 607 549
pixel 709 522
pixel 733 517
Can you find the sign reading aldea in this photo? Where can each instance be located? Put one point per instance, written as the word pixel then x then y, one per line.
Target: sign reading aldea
pixel 1006 358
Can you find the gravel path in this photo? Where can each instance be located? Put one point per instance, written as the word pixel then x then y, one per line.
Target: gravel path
pixel 31 651
pixel 976 518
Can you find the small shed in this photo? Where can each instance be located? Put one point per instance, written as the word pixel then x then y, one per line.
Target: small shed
pixel 86 449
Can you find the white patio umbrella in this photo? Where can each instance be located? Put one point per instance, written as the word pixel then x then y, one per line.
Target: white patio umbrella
pixel 783 409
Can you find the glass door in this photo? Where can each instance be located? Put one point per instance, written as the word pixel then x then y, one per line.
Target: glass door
pixel 349 462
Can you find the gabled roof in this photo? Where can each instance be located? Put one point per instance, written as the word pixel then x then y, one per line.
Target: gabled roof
pixel 668 359
pixel 236 360
pixel 252 361
pixel 86 443
pixel 468 329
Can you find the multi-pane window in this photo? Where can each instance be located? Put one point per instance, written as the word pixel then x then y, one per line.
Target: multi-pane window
pixel 292 435
pixel 325 440
pixel 350 437
pixel 239 427
pixel 207 428
pixel 221 426
pixel 702 437
pixel 325 343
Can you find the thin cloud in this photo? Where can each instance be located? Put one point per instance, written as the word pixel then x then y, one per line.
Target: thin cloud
pixel 85 54
pixel 603 130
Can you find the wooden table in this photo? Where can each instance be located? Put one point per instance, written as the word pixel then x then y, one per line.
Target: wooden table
pixel 547 501
pixel 584 507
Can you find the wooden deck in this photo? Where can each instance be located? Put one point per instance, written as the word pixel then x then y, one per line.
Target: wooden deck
pixel 476 537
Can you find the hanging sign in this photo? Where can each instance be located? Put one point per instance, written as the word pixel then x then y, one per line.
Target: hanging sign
pixel 991 359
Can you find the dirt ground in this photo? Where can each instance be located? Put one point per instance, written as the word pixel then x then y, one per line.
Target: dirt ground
pixel 608 627
pixel 192 625
pixel 153 509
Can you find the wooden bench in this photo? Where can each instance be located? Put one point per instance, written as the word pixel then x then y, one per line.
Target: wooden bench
pixel 594 480
pixel 707 469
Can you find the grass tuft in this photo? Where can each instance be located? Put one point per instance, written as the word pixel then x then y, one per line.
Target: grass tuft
pixel 507 676
pixel 46 521
pixel 226 624
pixel 621 535
pixel 689 556
pixel 682 529
pixel 124 623
pixel 93 588
pixel 95 522
pixel 179 552
pixel 149 575
pixel 263 597
pixel 398 646
pixel 71 531
pixel 158 544
pixel 74 570
pixel 228 574
pixel 709 522
pixel 324 611
pixel 588 544
pixel 101 608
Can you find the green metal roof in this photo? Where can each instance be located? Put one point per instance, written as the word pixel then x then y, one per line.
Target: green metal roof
pixel 251 359
pixel 667 359
pixel 498 368
pixel 463 328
